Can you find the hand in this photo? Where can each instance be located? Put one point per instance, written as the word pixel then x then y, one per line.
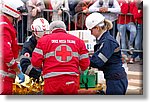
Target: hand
pixel 34 12
pixel 103 9
pixel 92 71
pixel 21 77
pixel 59 12
pixel 39 80
pixel 86 10
pixel 35 73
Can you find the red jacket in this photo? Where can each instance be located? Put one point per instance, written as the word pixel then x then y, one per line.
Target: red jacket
pixel 138 15
pixel 9 45
pixel 60 52
pixel 125 8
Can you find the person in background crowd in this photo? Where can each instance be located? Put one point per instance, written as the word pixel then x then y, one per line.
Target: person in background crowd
pixel 35 10
pixel 126 22
pixel 58 9
pixel 22 24
pixel 58 6
pixel 9 48
pixel 48 6
pixel 83 6
pixel 138 16
pixel 72 4
pixel 60 55
pixel 39 27
pixel 110 9
pixel 107 55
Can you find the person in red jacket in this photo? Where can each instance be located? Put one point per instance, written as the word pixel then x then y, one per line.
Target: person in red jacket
pixel 9 47
pixel 138 16
pixel 60 55
pixel 126 22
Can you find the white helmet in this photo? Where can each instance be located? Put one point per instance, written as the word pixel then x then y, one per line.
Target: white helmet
pixel 40 26
pixel 94 19
pixel 10 7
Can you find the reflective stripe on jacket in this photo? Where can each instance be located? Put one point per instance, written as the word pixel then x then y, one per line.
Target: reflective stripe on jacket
pixel 107 56
pixel 10 75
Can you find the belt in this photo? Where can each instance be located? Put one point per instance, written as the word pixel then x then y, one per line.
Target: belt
pixel 10 75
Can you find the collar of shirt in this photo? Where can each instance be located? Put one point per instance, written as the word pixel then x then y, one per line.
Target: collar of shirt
pixel 58 30
pixel 3 18
pixel 101 35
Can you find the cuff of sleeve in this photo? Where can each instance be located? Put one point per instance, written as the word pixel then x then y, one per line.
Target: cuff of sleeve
pixel 14 66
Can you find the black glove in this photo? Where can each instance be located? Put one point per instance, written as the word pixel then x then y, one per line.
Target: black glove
pixel 35 73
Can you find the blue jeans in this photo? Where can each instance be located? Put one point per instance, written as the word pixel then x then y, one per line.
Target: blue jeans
pixel 138 45
pixel 122 28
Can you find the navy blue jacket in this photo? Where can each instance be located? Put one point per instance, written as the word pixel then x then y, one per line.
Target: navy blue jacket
pixel 29 46
pixel 107 57
pixel 25 56
pixel 72 5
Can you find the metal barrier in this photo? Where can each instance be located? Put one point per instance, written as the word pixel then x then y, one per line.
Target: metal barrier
pixel 76 19
pixel 47 11
pixel 83 21
pixel 77 14
pixel 69 19
pixel 22 32
pixel 133 50
pixel 21 27
pixel 114 24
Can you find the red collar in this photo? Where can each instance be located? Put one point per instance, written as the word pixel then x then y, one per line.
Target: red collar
pixel 4 18
pixel 59 30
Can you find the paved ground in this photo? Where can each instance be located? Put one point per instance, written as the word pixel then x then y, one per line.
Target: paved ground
pixel 135 78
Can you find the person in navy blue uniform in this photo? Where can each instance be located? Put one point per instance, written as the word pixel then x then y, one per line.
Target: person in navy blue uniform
pixel 39 27
pixel 25 56
pixel 107 55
